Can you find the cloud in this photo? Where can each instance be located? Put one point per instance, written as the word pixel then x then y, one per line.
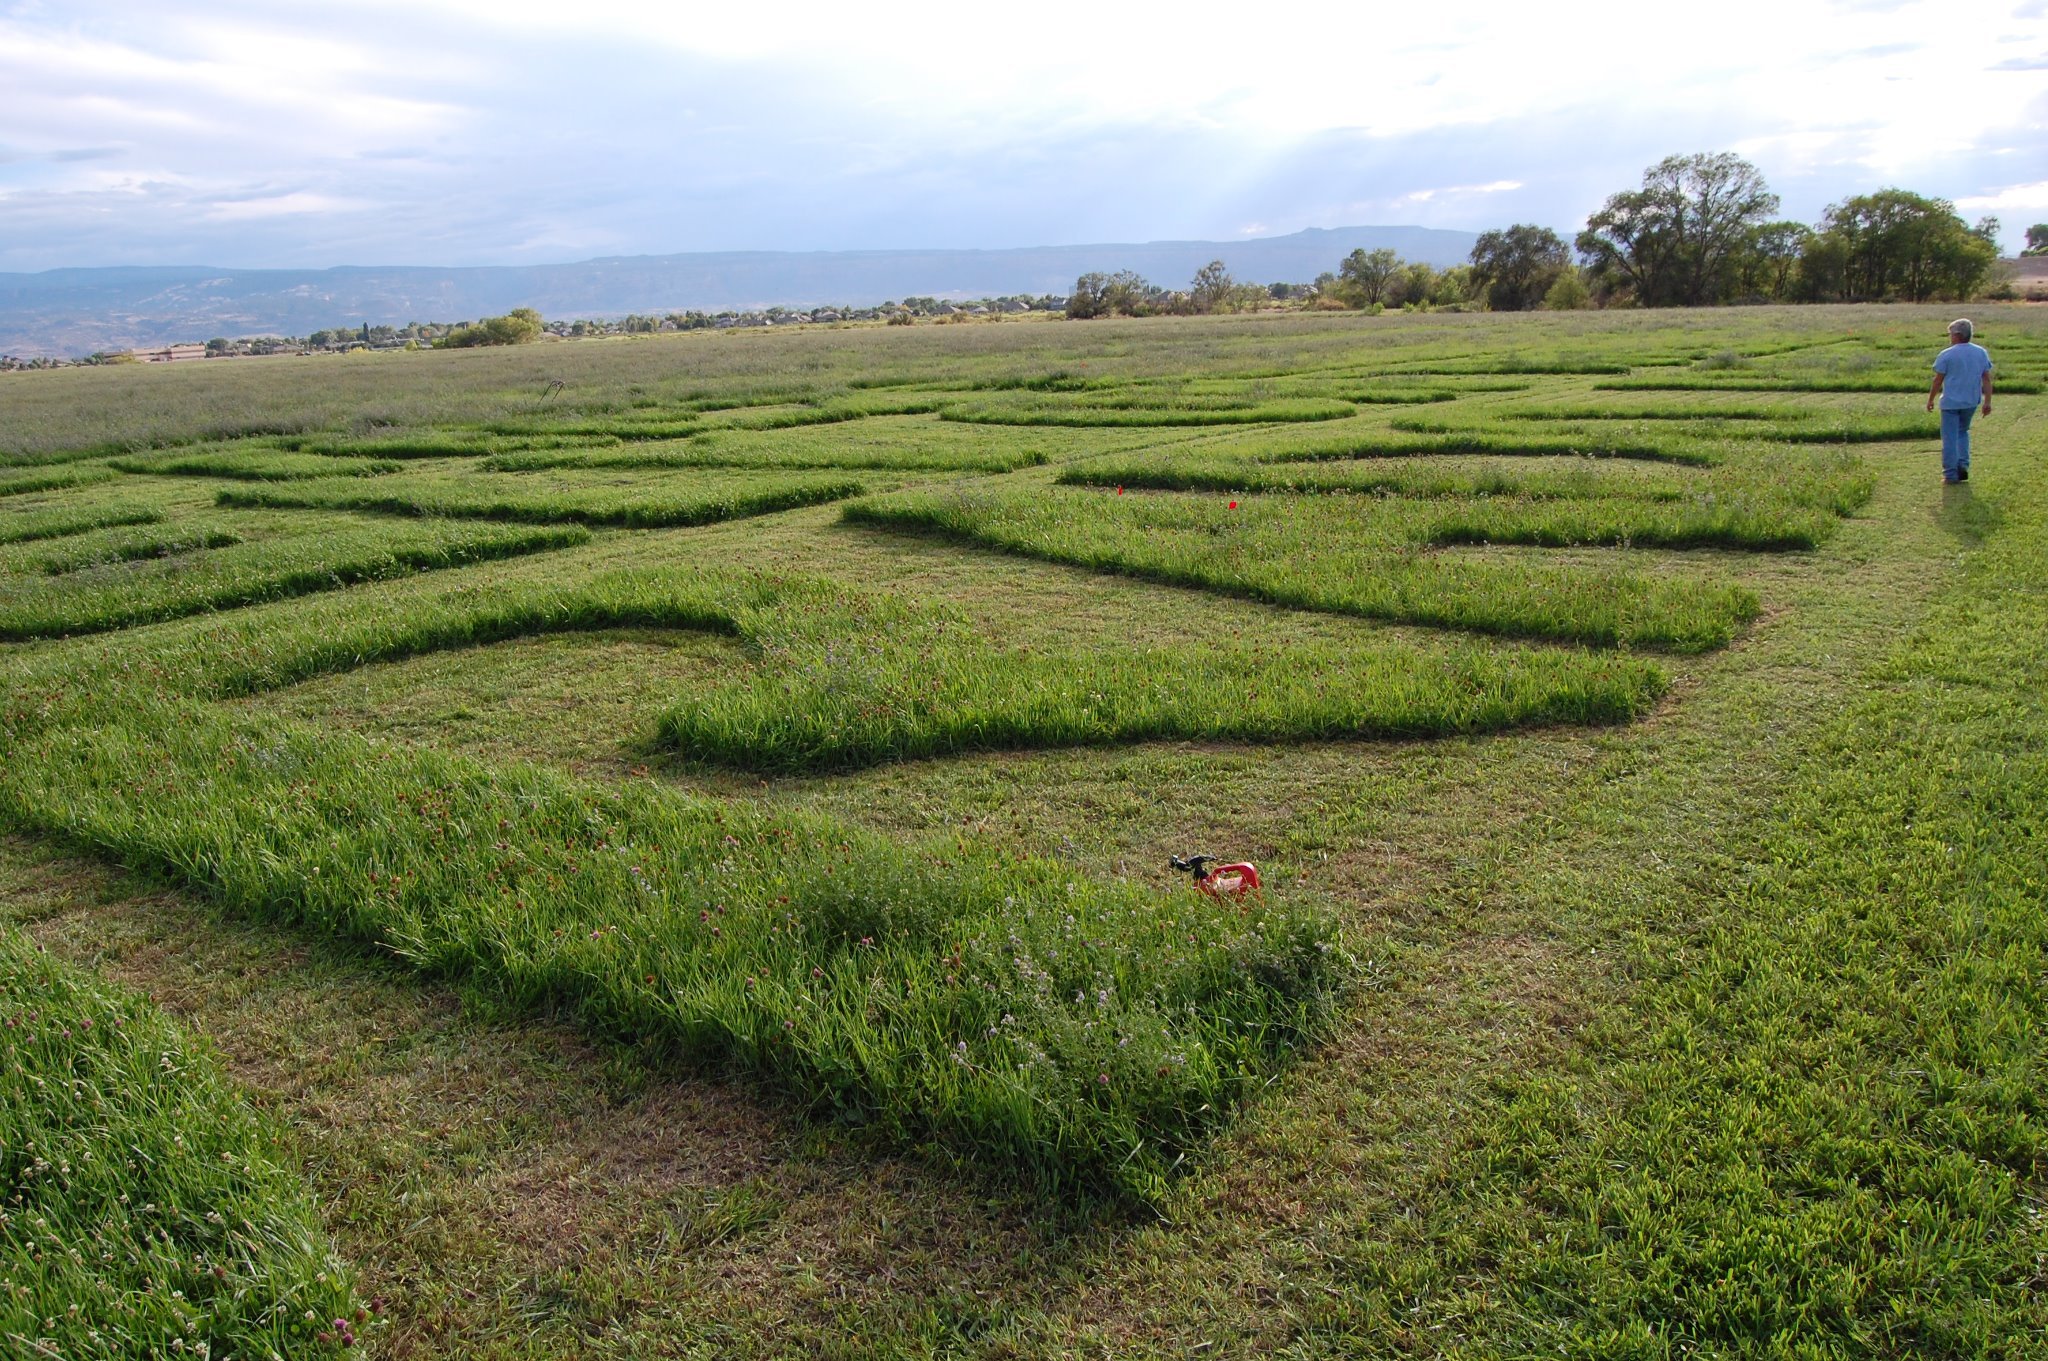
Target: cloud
pixel 2012 198
pixel 509 131
pixel 1456 190
pixel 2039 63
pixel 281 205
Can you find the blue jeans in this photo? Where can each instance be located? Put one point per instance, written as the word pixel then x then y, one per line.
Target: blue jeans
pixel 1955 440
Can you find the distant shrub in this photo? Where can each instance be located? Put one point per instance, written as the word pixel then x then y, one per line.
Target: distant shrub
pixel 520 326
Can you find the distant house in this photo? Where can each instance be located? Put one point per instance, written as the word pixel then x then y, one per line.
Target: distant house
pixel 1014 305
pixel 169 354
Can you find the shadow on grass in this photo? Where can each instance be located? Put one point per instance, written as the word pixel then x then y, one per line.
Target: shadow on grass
pixel 1965 516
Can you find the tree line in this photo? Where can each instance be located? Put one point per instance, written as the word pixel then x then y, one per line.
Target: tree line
pixel 1701 230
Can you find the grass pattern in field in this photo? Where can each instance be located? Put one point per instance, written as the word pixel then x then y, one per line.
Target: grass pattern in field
pixel 1445 477
pixel 1773 493
pixel 1785 382
pixel 846 681
pixel 1085 1034
pixel 902 443
pixel 1414 437
pixel 1132 411
pixel 925 988
pixel 1338 554
pixel 437 444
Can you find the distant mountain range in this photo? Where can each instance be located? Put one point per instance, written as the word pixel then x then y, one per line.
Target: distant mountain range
pixel 72 312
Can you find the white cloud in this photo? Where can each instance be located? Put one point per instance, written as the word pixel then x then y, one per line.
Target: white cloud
pixel 280 205
pixel 2014 198
pixel 1459 190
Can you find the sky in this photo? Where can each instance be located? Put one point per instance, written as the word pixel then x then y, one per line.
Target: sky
pixel 466 132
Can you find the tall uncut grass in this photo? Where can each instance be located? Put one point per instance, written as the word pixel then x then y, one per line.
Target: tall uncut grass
pixel 485 496
pixel 1561 508
pixel 437 444
pixel 104 547
pixel 252 465
pixel 58 522
pixel 843 681
pixel 123 594
pixel 880 443
pixel 145 1209
pixel 56 479
pixel 1186 411
pixel 827 677
pixel 1083 1034
pixel 1418 438
pixel 1325 553
pixel 1200 471
pixel 1815 382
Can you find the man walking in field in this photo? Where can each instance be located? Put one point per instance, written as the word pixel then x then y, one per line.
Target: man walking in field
pixel 1962 378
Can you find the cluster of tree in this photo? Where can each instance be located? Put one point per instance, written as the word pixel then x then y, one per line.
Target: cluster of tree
pixel 520 326
pixel 1378 279
pixel 1703 229
pixel 1212 290
pixel 2037 239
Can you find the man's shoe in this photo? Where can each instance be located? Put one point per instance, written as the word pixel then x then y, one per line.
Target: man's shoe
pixel 1962 474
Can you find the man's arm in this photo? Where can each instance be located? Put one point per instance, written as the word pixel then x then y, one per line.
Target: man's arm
pixel 1987 391
pixel 1935 391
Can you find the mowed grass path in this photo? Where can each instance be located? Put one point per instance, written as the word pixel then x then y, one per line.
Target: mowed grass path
pixel 1554 1115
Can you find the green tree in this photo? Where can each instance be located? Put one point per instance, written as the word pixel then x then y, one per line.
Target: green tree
pixel 1771 261
pixel 1108 295
pixel 1413 285
pixel 1454 286
pixel 1678 239
pixel 1895 244
pixel 1212 289
pixel 1365 274
pixel 2037 239
pixel 1516 266
pixel 1569 293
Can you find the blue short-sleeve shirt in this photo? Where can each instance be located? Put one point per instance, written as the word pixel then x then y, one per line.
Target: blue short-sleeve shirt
pixel 1962 369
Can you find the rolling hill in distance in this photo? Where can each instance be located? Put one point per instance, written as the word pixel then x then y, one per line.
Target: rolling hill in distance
pixel 71 312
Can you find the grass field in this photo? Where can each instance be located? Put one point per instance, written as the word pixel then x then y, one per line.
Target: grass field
pixel 657 847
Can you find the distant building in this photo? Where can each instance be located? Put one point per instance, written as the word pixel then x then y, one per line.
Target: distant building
pixel 169 354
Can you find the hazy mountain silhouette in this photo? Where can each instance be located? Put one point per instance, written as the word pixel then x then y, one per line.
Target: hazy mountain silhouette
pixel 77 311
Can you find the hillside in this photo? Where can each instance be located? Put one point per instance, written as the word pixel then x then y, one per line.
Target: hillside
pixel 77 311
